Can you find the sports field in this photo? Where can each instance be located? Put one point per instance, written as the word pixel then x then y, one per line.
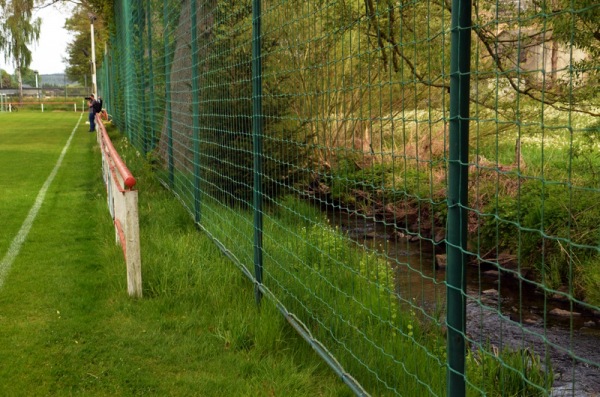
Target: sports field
pixel 67 324
pixel 30 159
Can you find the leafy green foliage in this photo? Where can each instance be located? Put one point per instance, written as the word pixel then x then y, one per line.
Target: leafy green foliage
pixel 553 229
pixel 17 32
pixel 226 114
pixel 7 81
pixel 508 372
pixel 576 22
pixel 79 50
pixel 589 269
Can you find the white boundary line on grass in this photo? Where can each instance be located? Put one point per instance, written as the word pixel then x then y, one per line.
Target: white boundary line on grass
pixel 19 239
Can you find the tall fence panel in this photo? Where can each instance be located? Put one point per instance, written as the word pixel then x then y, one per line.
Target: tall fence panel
pixel 414 184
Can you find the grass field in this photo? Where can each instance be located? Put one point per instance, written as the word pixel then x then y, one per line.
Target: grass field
pixel 68 326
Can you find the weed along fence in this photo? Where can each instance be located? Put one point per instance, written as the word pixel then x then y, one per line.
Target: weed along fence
pixel 414 184
pixel 123 206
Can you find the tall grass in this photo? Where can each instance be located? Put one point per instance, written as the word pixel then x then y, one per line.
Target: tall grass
pixel 343 296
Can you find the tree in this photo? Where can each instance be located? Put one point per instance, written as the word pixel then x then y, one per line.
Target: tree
pixel 5 79
pixel 576 23
pixel 18 32
pixel 536 49
pixel 79 57
pixel 2 23
pixel 411 41
pixel 78 50
pixel 28 77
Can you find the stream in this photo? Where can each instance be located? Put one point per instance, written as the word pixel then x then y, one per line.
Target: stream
pixel 501 310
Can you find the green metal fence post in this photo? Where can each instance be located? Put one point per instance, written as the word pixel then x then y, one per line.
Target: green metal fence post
pixel 117 106
pixel 119 118
pixel 257 128
pixel 107 79
pixel 195 110
pixel 151 133
pixel 167 59
pixel 458 194
pixel 141 75
pixel 127 75
pixel 113 103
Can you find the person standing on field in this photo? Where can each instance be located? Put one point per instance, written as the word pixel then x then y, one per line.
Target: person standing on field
pixel 92 114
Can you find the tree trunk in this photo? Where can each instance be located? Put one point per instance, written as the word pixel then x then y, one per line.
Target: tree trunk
pixel 519 162
pixel 20 80
pixel 554 63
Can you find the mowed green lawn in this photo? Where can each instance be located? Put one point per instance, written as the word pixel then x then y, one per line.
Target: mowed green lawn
pixel 29 148
pixel 67 326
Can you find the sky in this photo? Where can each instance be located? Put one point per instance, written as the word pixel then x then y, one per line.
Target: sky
pixel 49 52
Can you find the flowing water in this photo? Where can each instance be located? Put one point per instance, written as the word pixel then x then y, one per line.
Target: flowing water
pixel 502 311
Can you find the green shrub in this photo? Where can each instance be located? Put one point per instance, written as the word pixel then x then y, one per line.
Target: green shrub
pixel 552 228
pixel 590 278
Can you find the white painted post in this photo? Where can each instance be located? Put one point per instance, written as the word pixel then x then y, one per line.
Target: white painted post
pixel 123 207
pixel 94 84
pixel 42 108
pixel 133 257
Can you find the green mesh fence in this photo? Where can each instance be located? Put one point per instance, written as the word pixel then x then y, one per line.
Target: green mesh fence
pixel 415 184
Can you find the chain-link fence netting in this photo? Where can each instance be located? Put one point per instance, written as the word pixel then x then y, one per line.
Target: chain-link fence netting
pixel 415 184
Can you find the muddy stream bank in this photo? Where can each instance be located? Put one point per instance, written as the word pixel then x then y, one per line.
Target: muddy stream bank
pixel 500 310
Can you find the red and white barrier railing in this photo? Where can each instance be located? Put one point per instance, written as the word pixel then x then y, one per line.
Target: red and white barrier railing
pixel 123 207
pixel 15 106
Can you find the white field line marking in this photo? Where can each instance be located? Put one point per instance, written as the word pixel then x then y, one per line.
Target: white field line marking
pixel 19 239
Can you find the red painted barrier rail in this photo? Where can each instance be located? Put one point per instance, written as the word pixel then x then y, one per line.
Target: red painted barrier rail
pixel 126 175
pixel 122 204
